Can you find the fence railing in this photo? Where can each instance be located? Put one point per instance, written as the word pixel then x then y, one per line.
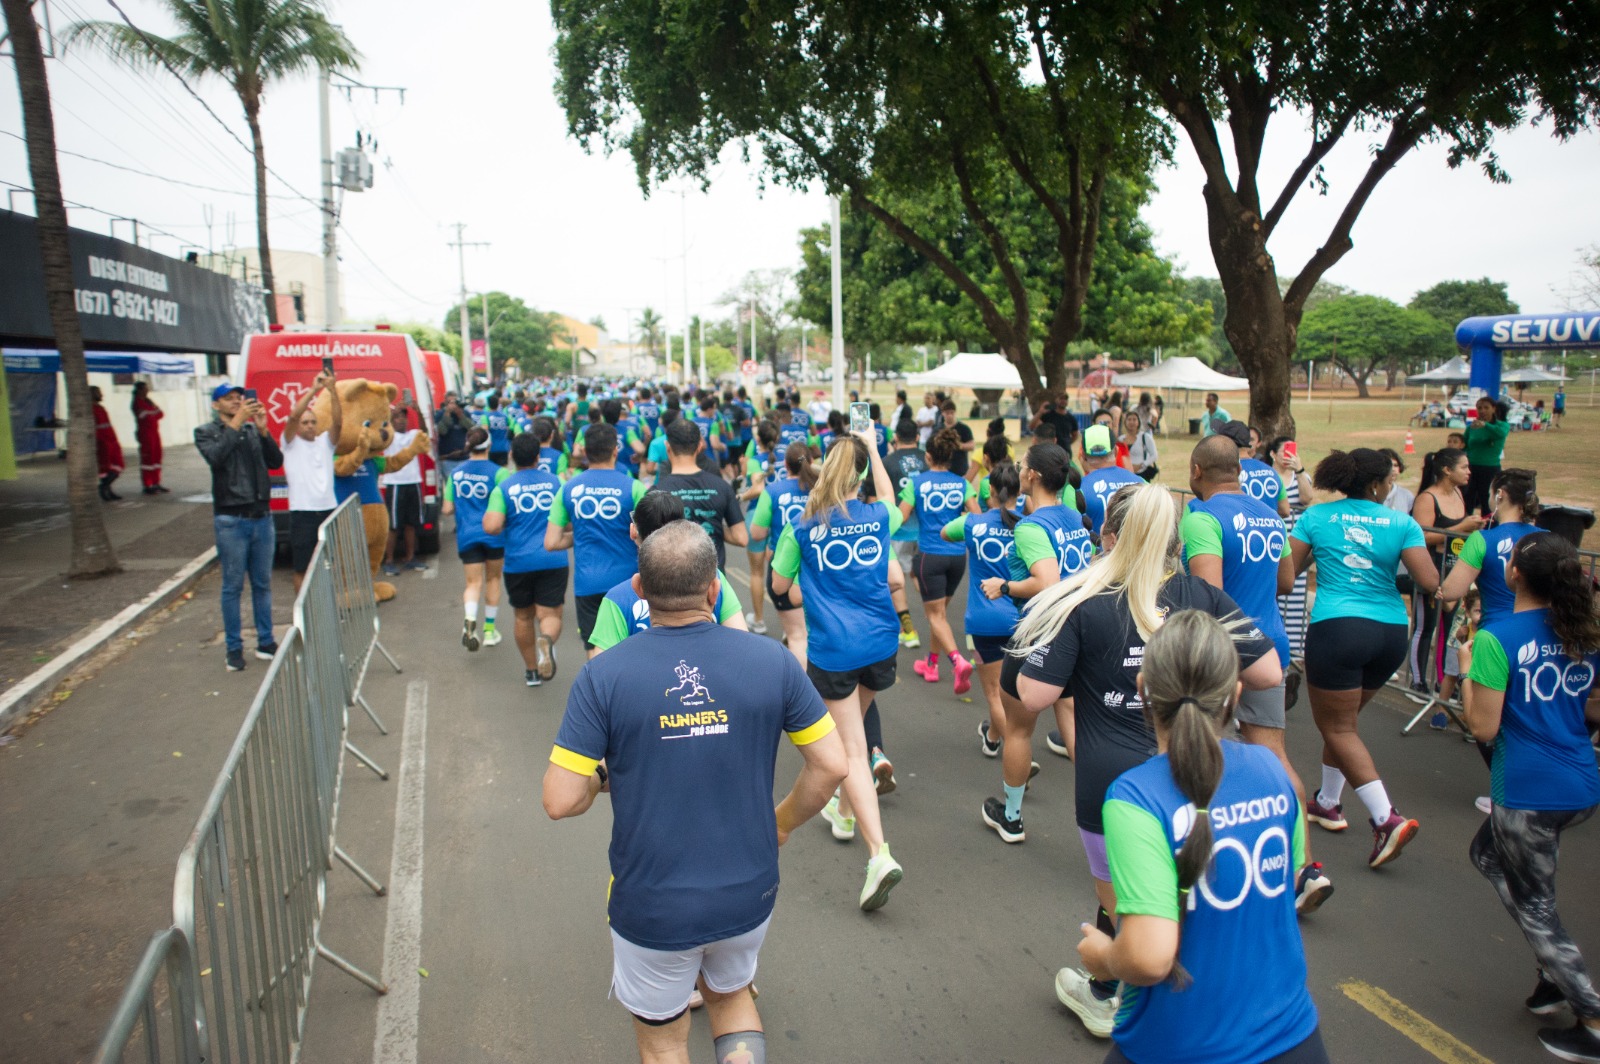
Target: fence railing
pixel 232 975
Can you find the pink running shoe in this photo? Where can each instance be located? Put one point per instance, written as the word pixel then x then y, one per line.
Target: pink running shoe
pixel 1390 837
pixel 929 672
pixel 963 670
pixel 1329 817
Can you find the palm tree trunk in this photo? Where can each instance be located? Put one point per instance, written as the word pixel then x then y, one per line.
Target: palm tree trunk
pixel 91 547
pixel 252 115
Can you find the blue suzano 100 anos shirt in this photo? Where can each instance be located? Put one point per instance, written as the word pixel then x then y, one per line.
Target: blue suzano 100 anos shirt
pixel 842 561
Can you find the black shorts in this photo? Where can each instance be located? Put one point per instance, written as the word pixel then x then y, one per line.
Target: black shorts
pixel 588 613
pixel 539 587
pixel 499 457
pixel 782 603
pixel 1311 1051
pixel 1344 653
pixel 737 450
pixel 990 648
pixel 479 553
pixel 404 503
pixel 303 526
pixel 837 685
pixel 938 575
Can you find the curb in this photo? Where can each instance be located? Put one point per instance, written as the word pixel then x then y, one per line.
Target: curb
pixel 23 698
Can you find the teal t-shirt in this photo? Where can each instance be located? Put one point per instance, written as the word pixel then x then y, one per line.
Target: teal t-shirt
pixel 1357 546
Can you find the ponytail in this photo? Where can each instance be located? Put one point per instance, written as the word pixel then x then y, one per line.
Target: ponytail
pixel 840 480
pixel 1189 677
pixel 1548 569
pixel 1521 490
pixel 767 434
pixel 797 460
pixel 1005 484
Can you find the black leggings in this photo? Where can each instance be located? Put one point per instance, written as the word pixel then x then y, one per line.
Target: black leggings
pixel 1477 493
pixel 1516 851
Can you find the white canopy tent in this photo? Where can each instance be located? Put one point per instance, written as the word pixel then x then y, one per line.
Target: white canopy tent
pixel 1532 375
pixel 1184 372
pixel 970 370
pixel 1456 371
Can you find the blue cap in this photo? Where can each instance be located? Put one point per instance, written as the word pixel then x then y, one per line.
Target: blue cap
pixel 223 389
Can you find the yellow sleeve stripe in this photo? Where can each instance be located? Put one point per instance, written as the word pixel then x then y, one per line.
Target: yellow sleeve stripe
pixel 807 736
pixel 583 766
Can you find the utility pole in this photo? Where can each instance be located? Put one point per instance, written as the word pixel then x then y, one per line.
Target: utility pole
pixel 330 215
pixel 702 348
pixel 466 332
pixel 838 311
pixel 683 214
pixel 754 351
pixel 488 348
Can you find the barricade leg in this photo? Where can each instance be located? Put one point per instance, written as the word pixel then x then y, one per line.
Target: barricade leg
pixel 382 773
pixel 349 969
pixel 360 873
pixel 388 656
pixel 361 700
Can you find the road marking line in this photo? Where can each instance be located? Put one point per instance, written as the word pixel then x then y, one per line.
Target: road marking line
pixel 1427 1034
pixel 395 1041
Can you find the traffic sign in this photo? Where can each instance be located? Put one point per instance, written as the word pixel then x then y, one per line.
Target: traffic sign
pixel 749 367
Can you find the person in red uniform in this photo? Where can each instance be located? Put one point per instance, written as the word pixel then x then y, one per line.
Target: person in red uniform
pixel 107 448
pixel 147 427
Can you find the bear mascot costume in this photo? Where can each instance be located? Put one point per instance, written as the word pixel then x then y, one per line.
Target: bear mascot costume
pixel 359 459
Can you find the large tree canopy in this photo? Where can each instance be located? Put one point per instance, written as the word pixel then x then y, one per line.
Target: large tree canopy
pixel 518 332
pixel 1395 75
pixel 1450 302
pixel 892 104
pixel 1359 333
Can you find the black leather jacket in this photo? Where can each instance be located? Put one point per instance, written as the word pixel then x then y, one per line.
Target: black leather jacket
pixel 239 460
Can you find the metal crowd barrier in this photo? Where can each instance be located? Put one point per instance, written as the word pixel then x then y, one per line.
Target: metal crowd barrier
pixel 231 977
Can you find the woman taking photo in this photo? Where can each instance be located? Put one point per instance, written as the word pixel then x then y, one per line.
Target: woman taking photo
pixel 1194 923
pixel 1439 504
pixel 1530 679
pixel 1486 446
pixel 1084 638
pixel 839 550
pixel 938 497
pixel 1357 636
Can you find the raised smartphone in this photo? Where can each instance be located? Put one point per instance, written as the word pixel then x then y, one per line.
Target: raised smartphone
pixel 860 417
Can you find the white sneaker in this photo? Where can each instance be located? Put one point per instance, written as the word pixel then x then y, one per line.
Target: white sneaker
pixel 1073 991
pixel 1484 803
pixel 758 626
pixel 491 638
pixel 883 873
pixel 843 827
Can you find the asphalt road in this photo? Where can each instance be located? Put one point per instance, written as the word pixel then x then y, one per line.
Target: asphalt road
pixel 505 910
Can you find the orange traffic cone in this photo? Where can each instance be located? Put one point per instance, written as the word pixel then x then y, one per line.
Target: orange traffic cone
pixel 1411 448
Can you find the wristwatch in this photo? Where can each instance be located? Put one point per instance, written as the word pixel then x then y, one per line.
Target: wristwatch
pixel 1005 588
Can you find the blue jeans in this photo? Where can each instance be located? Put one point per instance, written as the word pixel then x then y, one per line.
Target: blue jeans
pixel 245 545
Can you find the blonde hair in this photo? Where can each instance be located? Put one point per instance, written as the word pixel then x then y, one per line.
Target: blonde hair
pixel 840 480
pixel 1146 556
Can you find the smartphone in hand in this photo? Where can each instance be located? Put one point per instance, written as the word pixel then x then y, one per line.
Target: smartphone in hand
pixel 327 367
pixel 860 417
pixel 250 395
pixel 1291 451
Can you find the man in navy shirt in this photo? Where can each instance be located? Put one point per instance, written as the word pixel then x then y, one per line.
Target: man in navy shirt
pixel 692 746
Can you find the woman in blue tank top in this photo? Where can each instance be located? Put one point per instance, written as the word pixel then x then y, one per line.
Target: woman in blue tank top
pixel 937 497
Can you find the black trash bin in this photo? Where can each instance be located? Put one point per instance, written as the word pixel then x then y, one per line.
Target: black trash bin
pixel 1194 426
pixel 1568 522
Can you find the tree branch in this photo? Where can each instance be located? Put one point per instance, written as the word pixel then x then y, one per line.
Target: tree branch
pixel 998 244
pixel 1320 147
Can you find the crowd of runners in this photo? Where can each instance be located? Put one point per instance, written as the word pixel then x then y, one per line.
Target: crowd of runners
pixel 1152 627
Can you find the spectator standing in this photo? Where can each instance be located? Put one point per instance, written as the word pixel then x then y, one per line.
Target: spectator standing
pixel 1057 414
pixel 1214 417
pixel 961 462
pixel 402 493
pixel 308 469
pixel 1141 445
pixel 107 448
pixel 691 900
pixel 927 418
pixel 1486 445
pixel 235 445
pixel 147 430
pixel 452 424
pixel 902 408
pixel 1558 406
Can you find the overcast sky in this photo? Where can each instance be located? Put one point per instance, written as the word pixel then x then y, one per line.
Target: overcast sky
pixel 481 140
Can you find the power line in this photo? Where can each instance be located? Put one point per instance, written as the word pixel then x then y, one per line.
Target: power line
pixel 147 173
pixel 182 241
pixel 379 269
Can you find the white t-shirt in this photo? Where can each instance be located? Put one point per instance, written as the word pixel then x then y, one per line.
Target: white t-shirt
pixel 927 417
pixel 412 473
pixel 308 467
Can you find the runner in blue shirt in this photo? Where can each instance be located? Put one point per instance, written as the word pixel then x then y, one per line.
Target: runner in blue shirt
pixel 466 494
pixel 761 463
pixel 656 463
pixel 841 546
pixel 592 515
pixel 791 429
pixel 938 497
pixel 1103 476
pixel 1357 635
pixel 1531 693
pixel 1203 905
pixel 1484 556
pixel 647 410
pixel 501 426
pixel 1236 543
pixel 782 503
pixel 1256 478
pixel 536 579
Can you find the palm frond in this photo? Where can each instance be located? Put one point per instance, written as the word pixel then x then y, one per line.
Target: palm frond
pixel 137 49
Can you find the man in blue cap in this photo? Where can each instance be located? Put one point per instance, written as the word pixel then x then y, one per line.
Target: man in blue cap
pixel 237 447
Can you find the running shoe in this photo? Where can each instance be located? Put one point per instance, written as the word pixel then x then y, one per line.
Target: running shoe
pixel 1390 837
pixel 1439 721
pixel 883 873
pixel 697 1000
pixel 909 640
pixel 843 827
pixel 1291 688
pixel 266 652
pixel 1579 1042
pixel 994 814
pixel 235 661
pixel 990 749
pixel 927 671
pixel 545 665
pixel 1330 817
pixel 390 569
pixel 1098 1014
pixel 469 635
pixel 1419 694
pixel 491 637
pixel 1311 889
pixel 1546 997
pixel 883 772
pixel 531 678
pixel 963 670
pixel 758 626
pixel 1484 803
pixel 1057 744
pixel 415 566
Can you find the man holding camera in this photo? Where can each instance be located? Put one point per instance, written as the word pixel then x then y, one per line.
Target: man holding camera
pixel 236 446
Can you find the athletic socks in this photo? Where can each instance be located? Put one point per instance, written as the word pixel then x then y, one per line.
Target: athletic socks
pixel 906 627
pixel 488 617
pixel 741 1047
pixel 954 657
pixel 1332 790
pixel 1376 799
pixel 1013 800
pixel 471 608
pixel 933 658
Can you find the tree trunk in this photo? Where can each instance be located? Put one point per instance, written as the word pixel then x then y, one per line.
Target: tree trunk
pixel 1256 323
pixel 91 547
pixel 252 115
